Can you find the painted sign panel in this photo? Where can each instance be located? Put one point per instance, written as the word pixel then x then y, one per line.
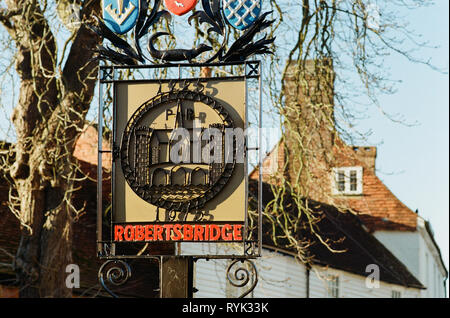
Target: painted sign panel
pixel 151 189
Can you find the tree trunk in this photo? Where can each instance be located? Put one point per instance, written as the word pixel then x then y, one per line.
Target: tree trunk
pixel 48 118
pixel 44 252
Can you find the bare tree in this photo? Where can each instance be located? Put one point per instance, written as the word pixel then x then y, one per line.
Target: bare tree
pixel 54 97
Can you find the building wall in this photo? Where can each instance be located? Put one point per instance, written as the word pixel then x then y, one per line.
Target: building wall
pixel 405 246
pixel 354 286
pixel 431 274
pixel 420 256
pixel 279 276
pixel 282 276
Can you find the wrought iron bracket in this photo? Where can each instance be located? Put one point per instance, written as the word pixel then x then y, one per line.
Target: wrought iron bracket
pixel 241 276
pixel 114 272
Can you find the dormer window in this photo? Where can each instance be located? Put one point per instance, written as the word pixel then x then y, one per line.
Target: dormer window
pixel 347 181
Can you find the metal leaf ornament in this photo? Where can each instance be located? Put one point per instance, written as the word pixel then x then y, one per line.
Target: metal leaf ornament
pixel 125 54
pixel 244 47
pixel 214 14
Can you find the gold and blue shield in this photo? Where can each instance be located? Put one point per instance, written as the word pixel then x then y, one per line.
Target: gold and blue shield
pixel 120 16
pixel 241 14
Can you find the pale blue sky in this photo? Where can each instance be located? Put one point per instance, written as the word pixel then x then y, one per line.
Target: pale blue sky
pixel 414 161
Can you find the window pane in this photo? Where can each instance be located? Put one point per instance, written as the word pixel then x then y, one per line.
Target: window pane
pixel 341 181
pixel 353 180
pixel 396 294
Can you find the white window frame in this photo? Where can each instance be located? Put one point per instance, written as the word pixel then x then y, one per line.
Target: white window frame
pixel 333 286
pixel 347 171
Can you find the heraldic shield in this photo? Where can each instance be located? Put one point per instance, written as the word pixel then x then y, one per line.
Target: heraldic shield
pixel 241 14
pixel 180 7
pixel 120 16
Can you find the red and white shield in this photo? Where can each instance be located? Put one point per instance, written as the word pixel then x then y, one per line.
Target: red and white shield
pixel 180 7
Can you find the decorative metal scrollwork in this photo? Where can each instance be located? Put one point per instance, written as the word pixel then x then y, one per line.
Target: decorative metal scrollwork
pixel 124 53
pixel 240 275
pixel 114 272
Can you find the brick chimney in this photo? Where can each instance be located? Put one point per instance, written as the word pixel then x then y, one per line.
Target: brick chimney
pixel 309 112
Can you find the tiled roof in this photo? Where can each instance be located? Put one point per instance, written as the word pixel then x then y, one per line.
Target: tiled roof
pixel 380 209
pixel 86 148
pixel 344 232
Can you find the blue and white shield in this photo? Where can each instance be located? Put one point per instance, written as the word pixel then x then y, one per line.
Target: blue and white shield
pixel 241 14
pixel 120 16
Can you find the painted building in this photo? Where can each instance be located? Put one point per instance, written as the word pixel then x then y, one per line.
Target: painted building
pixel 343 176
pixel 353 183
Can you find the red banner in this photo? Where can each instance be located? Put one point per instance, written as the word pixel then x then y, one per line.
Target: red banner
pixel 174 232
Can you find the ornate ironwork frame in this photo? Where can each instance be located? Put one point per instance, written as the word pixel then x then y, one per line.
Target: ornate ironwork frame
pixel 117 274
pixel 106 249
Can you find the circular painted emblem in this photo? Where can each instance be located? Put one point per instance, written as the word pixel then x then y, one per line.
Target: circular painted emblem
pixel 148 145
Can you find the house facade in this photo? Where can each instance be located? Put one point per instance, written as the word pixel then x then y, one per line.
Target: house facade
pixel 343 176
pixel 389 249
pixel 403 236
pixel 364 267
pixel 403 231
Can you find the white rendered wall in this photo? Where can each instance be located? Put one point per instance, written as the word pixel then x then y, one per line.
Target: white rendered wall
pixel 416 251
pixel 282 276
